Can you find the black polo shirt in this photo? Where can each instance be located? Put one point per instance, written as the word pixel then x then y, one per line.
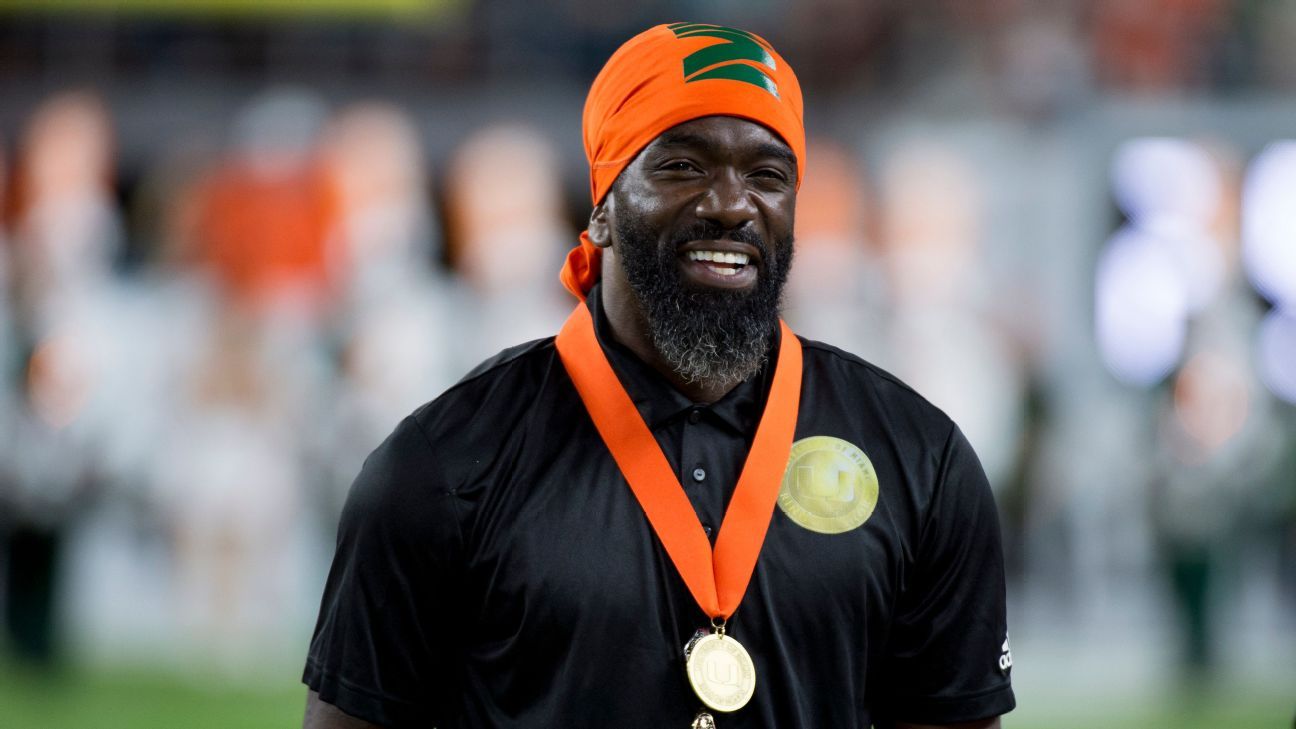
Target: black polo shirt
pixel 493 568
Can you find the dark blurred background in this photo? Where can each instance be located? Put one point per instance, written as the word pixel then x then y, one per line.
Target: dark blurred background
pixel 240 240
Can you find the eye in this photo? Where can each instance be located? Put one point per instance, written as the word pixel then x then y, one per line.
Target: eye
pixel 771 174
pixel 679 165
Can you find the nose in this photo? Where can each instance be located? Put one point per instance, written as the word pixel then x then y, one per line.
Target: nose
pixel 727 201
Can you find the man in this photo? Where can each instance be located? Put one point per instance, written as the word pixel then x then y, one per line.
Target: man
pixel 676 513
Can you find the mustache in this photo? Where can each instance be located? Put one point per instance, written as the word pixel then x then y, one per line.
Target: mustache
pixel 711 230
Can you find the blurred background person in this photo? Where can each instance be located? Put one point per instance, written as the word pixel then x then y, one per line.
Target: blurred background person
pixel 836 290
pixel 395 325
pixel 70 334
pixel 941 330
pixel 230 472
pixel 505 220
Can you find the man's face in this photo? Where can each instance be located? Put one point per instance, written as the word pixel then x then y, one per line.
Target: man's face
pixel 701 229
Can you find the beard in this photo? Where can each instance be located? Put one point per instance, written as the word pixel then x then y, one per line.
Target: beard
pixel 713 335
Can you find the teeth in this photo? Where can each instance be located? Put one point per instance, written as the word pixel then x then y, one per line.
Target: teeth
pixel 733 259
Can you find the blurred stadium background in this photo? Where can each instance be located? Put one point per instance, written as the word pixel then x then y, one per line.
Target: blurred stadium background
pixel 239 240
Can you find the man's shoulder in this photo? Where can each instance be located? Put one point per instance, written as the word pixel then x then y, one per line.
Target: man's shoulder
pixel 839 362
pixel 493 392
pixel 444 441
pixel 510 362
pixel 894 397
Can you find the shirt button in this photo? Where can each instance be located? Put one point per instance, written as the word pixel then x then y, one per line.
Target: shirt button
pixel 694 416
pixel 699 474
pixel 707 528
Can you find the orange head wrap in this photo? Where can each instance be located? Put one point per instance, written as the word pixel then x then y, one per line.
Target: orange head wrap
pixel 666 76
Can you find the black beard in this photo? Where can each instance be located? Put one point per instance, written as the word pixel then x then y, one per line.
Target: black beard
pixel 717 336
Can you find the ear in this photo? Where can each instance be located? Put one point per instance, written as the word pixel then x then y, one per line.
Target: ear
pixel 600 226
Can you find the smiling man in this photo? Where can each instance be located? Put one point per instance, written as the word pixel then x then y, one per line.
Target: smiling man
pixel 676 512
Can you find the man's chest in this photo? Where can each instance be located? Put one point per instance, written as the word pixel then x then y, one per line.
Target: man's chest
pixel 566 547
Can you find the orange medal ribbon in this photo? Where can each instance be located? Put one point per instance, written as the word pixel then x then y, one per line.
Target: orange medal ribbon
pixel 718 580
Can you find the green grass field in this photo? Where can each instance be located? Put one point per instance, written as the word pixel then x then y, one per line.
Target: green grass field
pixel 141 699
pixel 1219 709
pixel 138 699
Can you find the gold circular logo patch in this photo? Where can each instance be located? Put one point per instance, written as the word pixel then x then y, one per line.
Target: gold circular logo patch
pixel 829 486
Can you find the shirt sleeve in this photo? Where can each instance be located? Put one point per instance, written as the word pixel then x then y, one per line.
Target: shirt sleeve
pixel 948 658
pixel 383 650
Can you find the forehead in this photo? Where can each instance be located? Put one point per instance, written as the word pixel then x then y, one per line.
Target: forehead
pixel 723 134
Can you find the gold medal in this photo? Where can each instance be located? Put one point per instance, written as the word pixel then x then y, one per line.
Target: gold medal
pixel 720 670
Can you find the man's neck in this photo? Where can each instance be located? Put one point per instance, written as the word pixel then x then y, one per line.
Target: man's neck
pixel 630 327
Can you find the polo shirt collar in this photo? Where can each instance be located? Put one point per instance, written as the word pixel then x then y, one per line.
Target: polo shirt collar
pixel 657 399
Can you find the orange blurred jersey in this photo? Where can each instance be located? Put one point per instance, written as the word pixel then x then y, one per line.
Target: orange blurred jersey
pixel 263 236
